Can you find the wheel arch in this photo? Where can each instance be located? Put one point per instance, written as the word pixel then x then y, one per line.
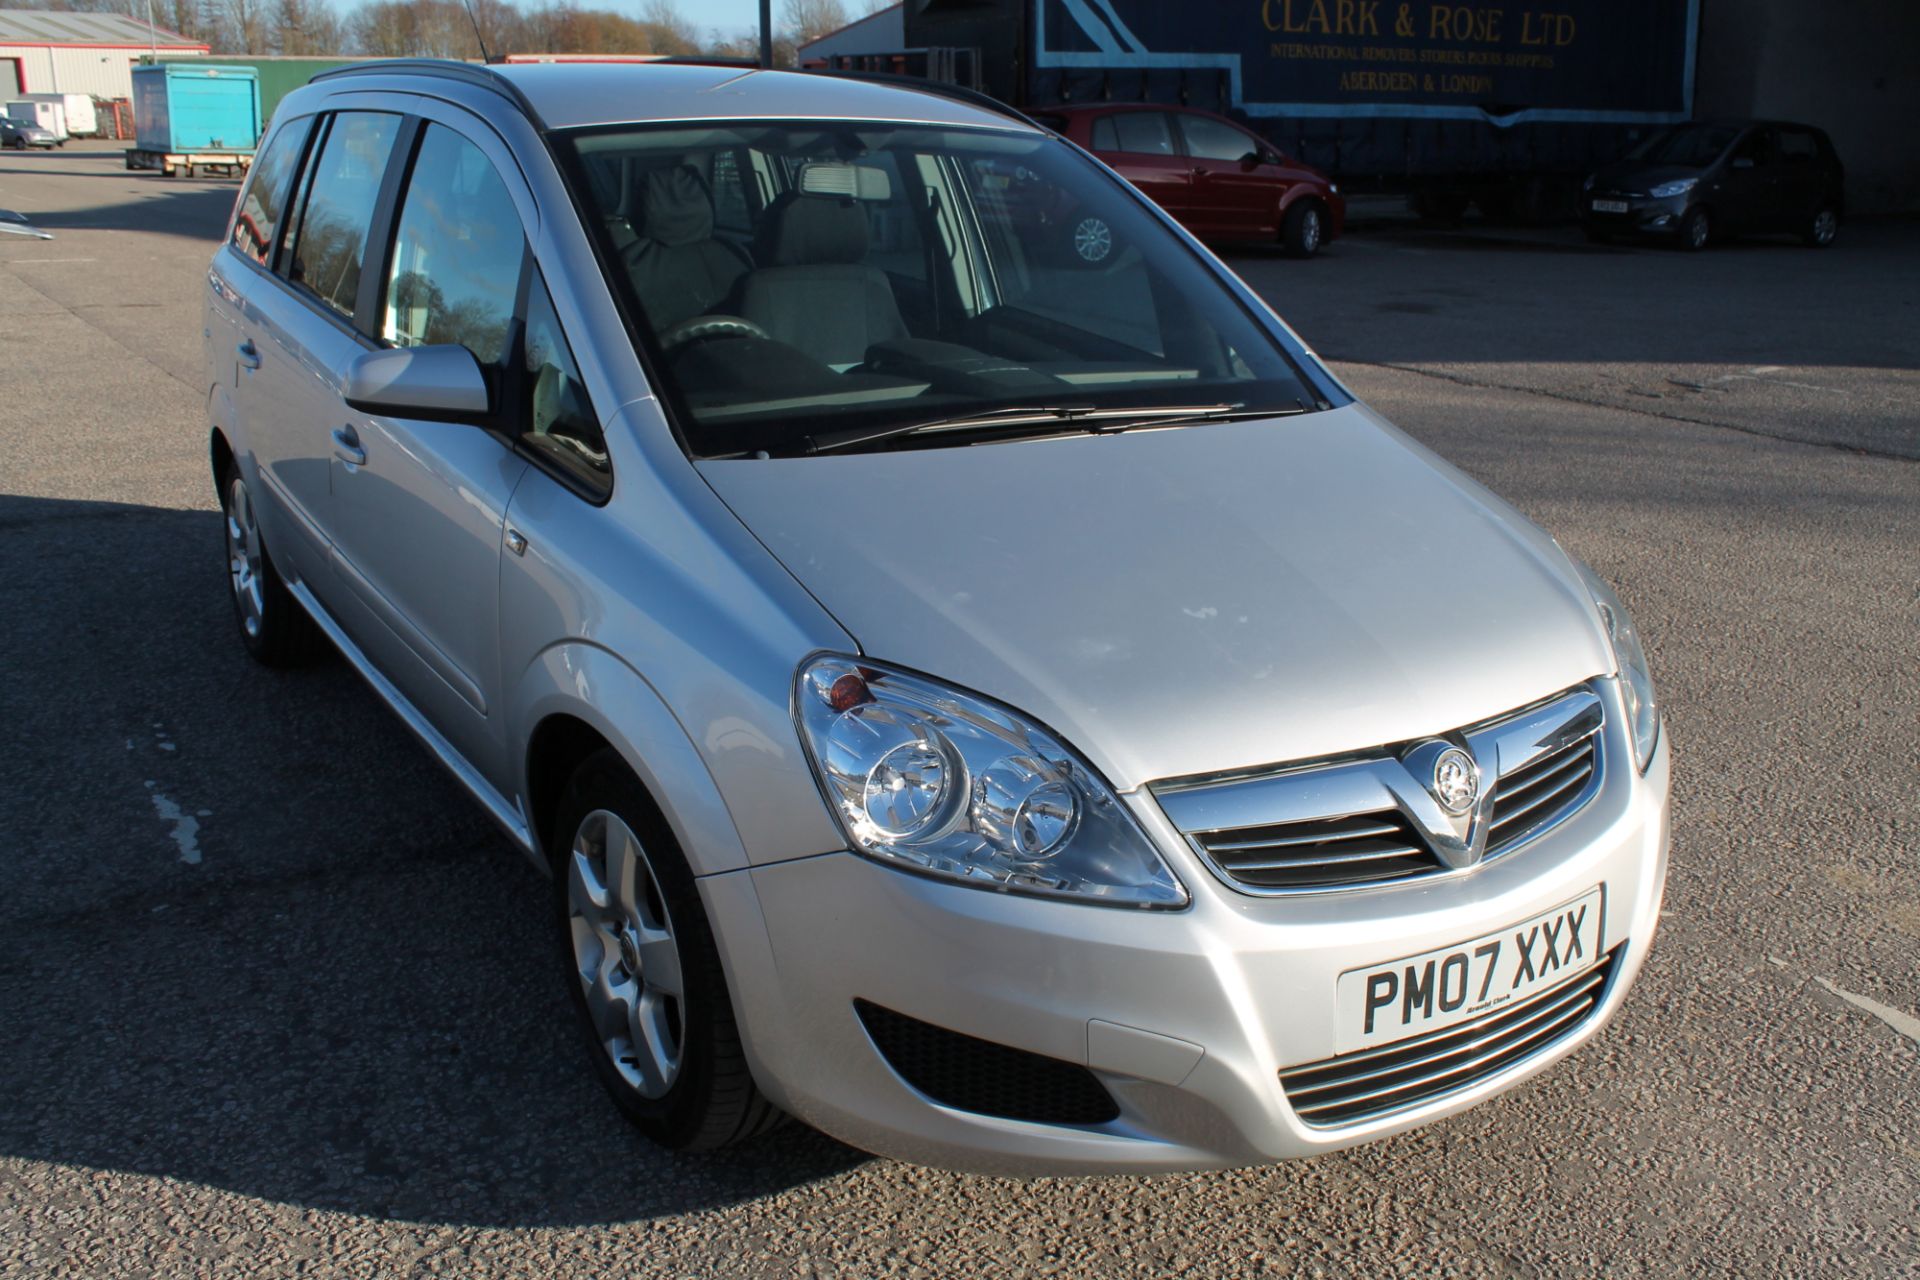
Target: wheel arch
pixel 576 699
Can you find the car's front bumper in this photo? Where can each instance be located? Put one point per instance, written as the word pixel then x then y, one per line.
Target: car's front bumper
pixel 1644 215
pixel 1248 982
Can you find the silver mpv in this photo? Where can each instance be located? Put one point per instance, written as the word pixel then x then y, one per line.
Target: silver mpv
pixel 1011 713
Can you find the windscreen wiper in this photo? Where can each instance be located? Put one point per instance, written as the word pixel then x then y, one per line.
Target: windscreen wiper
pixel 1021 419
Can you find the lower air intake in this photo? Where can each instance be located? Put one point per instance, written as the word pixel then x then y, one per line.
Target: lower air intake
pixel 969 1074
pixel 1377 1082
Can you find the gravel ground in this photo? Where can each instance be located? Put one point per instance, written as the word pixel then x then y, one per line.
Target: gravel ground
pixel 277 1001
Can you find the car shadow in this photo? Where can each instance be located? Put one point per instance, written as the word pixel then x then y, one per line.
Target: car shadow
pixel 252 936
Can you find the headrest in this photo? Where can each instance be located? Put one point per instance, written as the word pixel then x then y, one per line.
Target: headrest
pixel 839 178
pixel 808 231
pixel 674 208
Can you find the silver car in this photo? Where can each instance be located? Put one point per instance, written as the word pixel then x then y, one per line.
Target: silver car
pixel 1008 714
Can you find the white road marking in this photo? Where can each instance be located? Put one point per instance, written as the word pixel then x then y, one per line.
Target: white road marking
pixel 186 827
pixel 1906 1024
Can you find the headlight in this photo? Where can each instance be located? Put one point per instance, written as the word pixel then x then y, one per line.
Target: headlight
pixel 927 777
pixel 1636 680
pixel 1678 187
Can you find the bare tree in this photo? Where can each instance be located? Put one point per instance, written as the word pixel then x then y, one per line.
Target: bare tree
pixel 810 19
pixel 244 26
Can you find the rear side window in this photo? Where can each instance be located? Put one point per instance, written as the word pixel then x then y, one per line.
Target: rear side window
pixel 1797 146
pixel 456 253
pixel 731 211
pixel 343 186
pixel 1105 137
pixel 1211 140
pixel 269 189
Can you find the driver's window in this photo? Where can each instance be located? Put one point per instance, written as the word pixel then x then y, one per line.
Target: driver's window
pixel 1212 140
pixel 456 253
pixel 1753 149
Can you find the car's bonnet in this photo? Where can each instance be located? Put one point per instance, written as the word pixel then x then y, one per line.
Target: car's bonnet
pixel 1189 600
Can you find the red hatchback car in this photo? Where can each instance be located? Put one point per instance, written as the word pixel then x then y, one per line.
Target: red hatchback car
pixel 1220 181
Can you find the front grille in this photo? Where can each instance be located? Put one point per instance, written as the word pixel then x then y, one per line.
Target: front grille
pixel 1366 848
pixel 1377 1082
pixel 970 1074
pixel 1540 793
pixel 1353 824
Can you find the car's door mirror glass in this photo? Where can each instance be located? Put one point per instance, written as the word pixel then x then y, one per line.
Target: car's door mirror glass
pixel 442 381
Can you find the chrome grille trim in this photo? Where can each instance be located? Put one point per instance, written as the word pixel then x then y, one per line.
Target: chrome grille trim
pixel 1372 1083
pixel 1360 822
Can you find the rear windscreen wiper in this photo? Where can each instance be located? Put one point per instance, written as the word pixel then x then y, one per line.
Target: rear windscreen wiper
pixel 1022 419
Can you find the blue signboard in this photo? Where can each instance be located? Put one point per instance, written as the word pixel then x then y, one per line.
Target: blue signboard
pixel 1618 61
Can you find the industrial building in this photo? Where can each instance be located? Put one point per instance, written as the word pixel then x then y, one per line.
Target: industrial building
pixel 1427 92
pixel 90 53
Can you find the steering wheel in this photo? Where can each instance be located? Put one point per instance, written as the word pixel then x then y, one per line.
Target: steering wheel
pixel 700 328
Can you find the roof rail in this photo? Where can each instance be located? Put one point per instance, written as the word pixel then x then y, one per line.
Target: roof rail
pixel 939 88
pixel 482 77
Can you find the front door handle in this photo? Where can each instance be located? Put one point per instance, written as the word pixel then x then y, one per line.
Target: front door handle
pixel 249 355
pixel 346 446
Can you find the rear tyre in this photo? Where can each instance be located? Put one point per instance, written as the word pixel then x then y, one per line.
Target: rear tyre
pixel 642 969
pixel 273 626
pixel 1822 228
pixel 1696 230
pixel 1304 229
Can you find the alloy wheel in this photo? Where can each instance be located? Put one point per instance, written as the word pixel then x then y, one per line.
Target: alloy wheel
pixel 1093 239
pixel 1698 231
pixel 625 954
pixel 243 559
pixel 1826 224
pixel 1310 232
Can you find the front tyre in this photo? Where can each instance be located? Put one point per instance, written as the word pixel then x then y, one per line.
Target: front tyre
pixel 1303 230
pixel 642 969
pixel 1822 228
pixel 1696 230
pixel 273 626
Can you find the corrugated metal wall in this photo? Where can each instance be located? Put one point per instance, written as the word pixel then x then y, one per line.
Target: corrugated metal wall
pixel 96 70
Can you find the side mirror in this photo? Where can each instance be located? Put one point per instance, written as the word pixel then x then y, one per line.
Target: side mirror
pixel 1253 160
pixel 418 382
pixel 1743 162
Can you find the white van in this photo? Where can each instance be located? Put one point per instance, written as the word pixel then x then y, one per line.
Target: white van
pixel 51 116
pixel 81 121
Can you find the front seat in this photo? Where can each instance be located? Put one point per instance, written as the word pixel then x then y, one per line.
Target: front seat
pixel 677 268
pixel 815 290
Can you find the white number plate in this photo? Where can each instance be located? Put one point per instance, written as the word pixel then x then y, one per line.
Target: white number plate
pixel 1609 206
pixel 1435 989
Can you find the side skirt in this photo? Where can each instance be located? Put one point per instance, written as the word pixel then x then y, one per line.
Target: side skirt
pixel 507 815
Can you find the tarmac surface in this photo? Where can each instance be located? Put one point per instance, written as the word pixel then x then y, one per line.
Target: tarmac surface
pixel 275 999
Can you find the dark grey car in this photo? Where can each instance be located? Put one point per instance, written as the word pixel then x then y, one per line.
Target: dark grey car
pixel 1696 183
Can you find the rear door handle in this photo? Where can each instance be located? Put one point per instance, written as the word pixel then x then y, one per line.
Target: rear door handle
pixel 346 446
pixel 249 355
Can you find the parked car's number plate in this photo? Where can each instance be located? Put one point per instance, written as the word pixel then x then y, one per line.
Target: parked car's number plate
pixel 1435 989
pixel 1609 206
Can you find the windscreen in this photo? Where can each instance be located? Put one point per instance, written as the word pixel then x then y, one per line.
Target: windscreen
pixel 1693 145
pixel 799 280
